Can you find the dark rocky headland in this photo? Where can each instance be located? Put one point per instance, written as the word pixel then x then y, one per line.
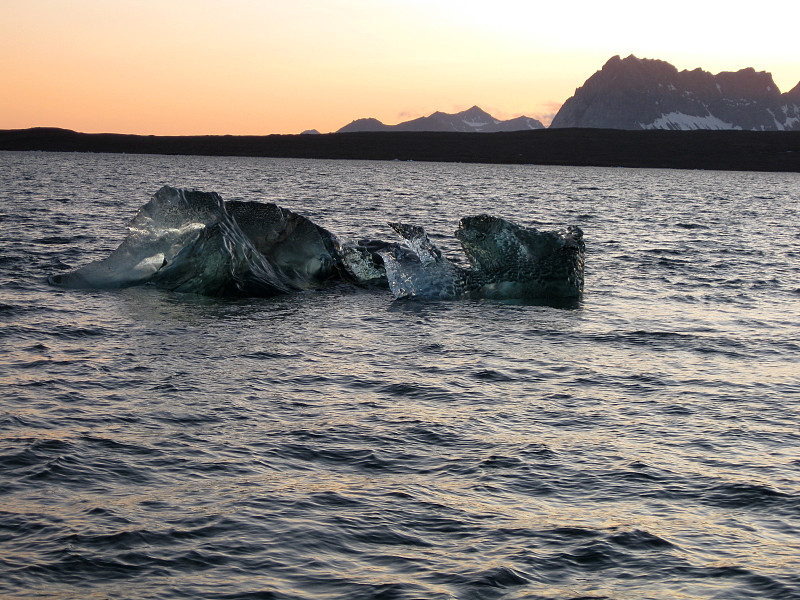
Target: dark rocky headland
pixel 698 149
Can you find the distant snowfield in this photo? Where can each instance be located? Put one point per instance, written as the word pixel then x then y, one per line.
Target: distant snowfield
pixel 676 120
pixel 682 121
pixel 478 124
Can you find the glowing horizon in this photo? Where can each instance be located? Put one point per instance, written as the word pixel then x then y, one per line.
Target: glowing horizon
pixel 181 67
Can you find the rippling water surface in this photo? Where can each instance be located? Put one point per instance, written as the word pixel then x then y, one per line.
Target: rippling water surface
pixel 642 442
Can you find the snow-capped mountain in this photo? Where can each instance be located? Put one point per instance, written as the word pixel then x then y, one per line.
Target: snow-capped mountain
pixel 471 120
pixel 641 93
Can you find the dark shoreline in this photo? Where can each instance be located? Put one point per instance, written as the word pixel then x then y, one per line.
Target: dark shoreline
pixel 701 149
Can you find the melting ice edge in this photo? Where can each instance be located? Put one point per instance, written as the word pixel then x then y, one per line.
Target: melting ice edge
pixel 193 241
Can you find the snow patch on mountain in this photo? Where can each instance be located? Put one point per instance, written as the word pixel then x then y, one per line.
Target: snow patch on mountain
pixel 677 120
pixel 478 124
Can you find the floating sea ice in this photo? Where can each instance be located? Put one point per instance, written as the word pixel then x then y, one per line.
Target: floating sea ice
pixel 192 241
pixel 184 241
pixel 418 269
pixel 508 262
pixel 511 261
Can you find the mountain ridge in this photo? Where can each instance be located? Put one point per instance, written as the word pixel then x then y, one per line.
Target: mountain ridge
pixel 642 93
pixel 638 93
pixel 472 120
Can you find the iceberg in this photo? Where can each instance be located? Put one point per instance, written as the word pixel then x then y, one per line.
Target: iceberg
pixel 507 261
pixel 193 242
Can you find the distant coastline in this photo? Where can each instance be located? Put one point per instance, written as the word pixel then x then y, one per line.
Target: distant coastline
pixel 700 149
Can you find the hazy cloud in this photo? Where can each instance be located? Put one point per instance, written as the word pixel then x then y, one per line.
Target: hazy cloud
pixel 548 110
pixel 407 115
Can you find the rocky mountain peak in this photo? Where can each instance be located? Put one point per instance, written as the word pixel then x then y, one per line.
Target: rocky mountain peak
pixel 747 83
pixel 643 93
pixel 474 119
pixel 793 95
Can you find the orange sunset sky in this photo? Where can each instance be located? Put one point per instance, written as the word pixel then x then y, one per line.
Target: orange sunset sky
pixel 262 66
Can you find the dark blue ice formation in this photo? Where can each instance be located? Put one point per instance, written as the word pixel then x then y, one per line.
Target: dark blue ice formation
pixel 192 241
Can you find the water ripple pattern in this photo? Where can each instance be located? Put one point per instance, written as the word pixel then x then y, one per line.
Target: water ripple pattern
pixel 640 442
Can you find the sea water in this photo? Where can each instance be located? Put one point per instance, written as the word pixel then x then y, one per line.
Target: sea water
pixel 640 442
